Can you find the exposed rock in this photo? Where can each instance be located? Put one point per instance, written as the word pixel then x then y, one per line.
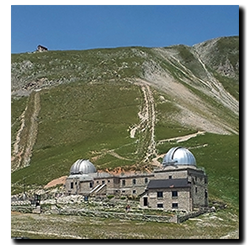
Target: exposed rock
pixel 226 69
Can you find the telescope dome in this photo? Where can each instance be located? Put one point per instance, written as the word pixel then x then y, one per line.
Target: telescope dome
pixel 82 166
pixel 179 156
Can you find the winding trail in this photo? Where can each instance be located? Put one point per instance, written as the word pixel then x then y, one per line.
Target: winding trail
pixel 146 127
pixel 182 138
pixel 150 121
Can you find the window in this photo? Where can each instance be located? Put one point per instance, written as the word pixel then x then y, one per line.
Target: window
pixel 174 194
pixel 90 185
pixel 174 205
pixel 206 194
pixel 134 181
pixel 170 176
pixel 159 194
pixel 145 201
pixel 146 180
pixel 103 182
pixel 97 182
pixel 108 181
pixel 196 189
pixel 159 205
pixel 123 191
pixel 134 191
pixel 71 185
pixel 123 182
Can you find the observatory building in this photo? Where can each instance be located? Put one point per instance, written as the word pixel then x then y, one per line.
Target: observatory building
pixel 177 184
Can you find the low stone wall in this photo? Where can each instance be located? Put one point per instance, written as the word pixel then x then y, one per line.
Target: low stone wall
pixel 185 217
pixel 94 213
pixel 63 210
pixel 22 209
pixel 118 215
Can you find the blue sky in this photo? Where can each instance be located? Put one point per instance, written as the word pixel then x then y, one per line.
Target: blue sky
pixel 71 27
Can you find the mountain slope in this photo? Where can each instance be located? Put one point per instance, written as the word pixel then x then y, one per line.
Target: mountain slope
pixel 119 107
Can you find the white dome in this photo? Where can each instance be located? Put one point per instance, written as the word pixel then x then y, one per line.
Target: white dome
pixel 82 166
pixel 179 156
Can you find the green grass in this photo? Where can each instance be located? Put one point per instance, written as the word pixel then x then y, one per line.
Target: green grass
pixel 76 120
pixel 166 127
pixel 230 85
pixel 229 49
pixel 78 65
pixel 190 61
pixel 212 226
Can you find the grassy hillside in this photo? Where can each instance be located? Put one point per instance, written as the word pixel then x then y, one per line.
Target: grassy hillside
pixel 70 66
pixel 82 121
pixel 68 105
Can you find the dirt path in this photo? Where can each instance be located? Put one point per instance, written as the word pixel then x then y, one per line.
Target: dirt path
pixel 16 154
pixel 143 114
pixel 150 121
pixel 114 154
pixel 32 131
pixel 146 127
pixel 22 154
pixel 182 138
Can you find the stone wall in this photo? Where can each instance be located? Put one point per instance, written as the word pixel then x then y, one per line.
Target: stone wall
pixel 172 172
pixel 170 218
pixel 199 188
pixel 182 199
pixel 182 218
pixel 123 185
pixel 118 215
pixel 102 207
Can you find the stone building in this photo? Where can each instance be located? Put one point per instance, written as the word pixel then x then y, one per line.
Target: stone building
pixel 85 180
pixel 177 184
pixel 41 48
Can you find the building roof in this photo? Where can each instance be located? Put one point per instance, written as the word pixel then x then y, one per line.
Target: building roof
pixel 41 47
pixel 168 183
pixel 179 156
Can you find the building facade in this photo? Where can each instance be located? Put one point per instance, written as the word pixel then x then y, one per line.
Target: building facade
pixel 178 184
pixel 41 48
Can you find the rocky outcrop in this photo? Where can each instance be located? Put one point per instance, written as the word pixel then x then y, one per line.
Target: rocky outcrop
pixel 227 69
